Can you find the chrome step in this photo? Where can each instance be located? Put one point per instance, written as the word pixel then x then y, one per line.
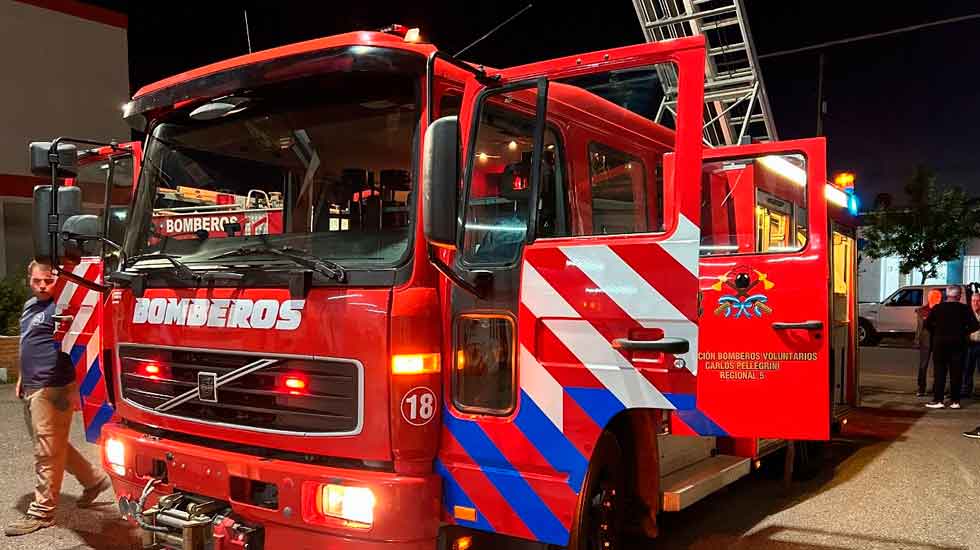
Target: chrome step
pixel 689 485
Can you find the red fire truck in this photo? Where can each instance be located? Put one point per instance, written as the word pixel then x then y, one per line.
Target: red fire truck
pixel 494 306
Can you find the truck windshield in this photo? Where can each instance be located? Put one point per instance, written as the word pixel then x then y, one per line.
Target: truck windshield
pixel 321 164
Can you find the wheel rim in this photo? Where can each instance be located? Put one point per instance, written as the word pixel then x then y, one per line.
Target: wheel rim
pixel 862 333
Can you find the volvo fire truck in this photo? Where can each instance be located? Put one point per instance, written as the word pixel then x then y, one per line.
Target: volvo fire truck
pixel 487 306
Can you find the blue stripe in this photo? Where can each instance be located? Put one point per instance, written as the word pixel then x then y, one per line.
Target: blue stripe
pixel 599 403
pixel 453 495
pixel 94 429
pixel 551 443
pixel 77 352
pixel 92 378
pixel 502 474
pixel 700 423
pixel 682 401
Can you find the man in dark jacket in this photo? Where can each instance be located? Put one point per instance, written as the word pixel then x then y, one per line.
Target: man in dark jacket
pixel 950 324
pixel 48 390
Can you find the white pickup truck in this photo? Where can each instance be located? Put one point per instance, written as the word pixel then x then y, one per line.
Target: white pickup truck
pixel 895 315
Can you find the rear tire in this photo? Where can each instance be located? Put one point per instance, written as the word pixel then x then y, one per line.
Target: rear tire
pixel 600 518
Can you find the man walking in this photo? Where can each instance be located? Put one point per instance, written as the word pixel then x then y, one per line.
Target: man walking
pixel 47 388
pixel 950 323
pixel 973 354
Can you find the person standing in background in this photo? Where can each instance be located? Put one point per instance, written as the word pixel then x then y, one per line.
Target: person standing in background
pixel 924 338
pixel 973 353
pixel 949 324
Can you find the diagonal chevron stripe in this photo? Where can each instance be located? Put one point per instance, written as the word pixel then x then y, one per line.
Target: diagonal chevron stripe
pixel 608 365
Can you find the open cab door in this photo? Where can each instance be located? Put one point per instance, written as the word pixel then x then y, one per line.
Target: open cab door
pixel 575 280
pixel 764 369
pixel 107 178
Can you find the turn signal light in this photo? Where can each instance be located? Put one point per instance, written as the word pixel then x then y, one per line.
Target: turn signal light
pixel 355 505
pixel 115 455
pixel 419 363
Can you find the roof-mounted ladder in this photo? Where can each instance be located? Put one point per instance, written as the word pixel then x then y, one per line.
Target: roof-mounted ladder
pixel 735 101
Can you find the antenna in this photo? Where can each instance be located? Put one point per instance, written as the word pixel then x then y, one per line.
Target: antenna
pixel 495 29
pixel 248 37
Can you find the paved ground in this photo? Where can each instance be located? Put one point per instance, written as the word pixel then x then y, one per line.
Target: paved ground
pixel 97 527
pixel 899 477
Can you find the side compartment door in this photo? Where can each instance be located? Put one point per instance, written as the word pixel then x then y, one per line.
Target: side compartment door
pixel 587 254
pixel 764 368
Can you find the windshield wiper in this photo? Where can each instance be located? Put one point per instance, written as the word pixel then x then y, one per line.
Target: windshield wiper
pixel 324 267
pixel 180 268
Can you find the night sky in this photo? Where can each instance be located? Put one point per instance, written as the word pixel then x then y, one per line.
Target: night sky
pixel 892 102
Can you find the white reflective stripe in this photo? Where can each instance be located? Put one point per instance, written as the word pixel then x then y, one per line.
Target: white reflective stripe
pixel 541 299
pixel 683 244
pixel 542 388
pixel 68 292
pixel 84 313
pixel 680 329
pixel 93 350
pixel 607 364
pixel 622 284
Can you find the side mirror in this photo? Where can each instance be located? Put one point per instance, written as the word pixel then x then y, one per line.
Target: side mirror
pixel 69 204
pixel 41 163
pixel 84 225
pixel 440 182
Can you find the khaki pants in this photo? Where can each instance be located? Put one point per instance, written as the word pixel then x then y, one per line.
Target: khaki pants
pixel 48 413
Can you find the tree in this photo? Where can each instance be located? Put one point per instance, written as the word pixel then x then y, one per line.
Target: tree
pixel 933 228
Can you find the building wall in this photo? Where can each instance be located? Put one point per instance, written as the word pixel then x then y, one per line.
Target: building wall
pixel 65 74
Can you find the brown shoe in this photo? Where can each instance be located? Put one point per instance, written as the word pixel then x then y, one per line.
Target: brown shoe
pixel 27 525
pixel 89 495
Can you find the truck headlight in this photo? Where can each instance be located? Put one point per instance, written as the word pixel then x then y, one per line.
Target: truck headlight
pixel 352 504
pixel 115 455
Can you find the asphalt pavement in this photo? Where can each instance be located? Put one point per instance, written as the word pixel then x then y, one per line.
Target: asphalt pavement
pixel 898 477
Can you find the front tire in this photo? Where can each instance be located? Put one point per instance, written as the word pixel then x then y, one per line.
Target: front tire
pixel 866 334
pixel 601 510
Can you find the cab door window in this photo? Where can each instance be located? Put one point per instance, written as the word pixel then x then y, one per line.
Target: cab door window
pixel 754 205
pixel 499 193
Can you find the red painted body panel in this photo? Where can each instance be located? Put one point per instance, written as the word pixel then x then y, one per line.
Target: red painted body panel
pixel 345 323
pixel 785 395
pixel 406 512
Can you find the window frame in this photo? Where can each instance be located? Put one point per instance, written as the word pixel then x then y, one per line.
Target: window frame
pixel 631 157
pixel 796 210
pixel 537 117
pixel 905 291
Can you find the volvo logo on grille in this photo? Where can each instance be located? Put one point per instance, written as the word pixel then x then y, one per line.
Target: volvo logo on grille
pixel 207 387
pixel 208 383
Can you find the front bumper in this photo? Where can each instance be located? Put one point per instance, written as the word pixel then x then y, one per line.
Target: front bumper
pixel 406 513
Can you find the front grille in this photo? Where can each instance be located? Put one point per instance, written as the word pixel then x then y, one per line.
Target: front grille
pixel 329 402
